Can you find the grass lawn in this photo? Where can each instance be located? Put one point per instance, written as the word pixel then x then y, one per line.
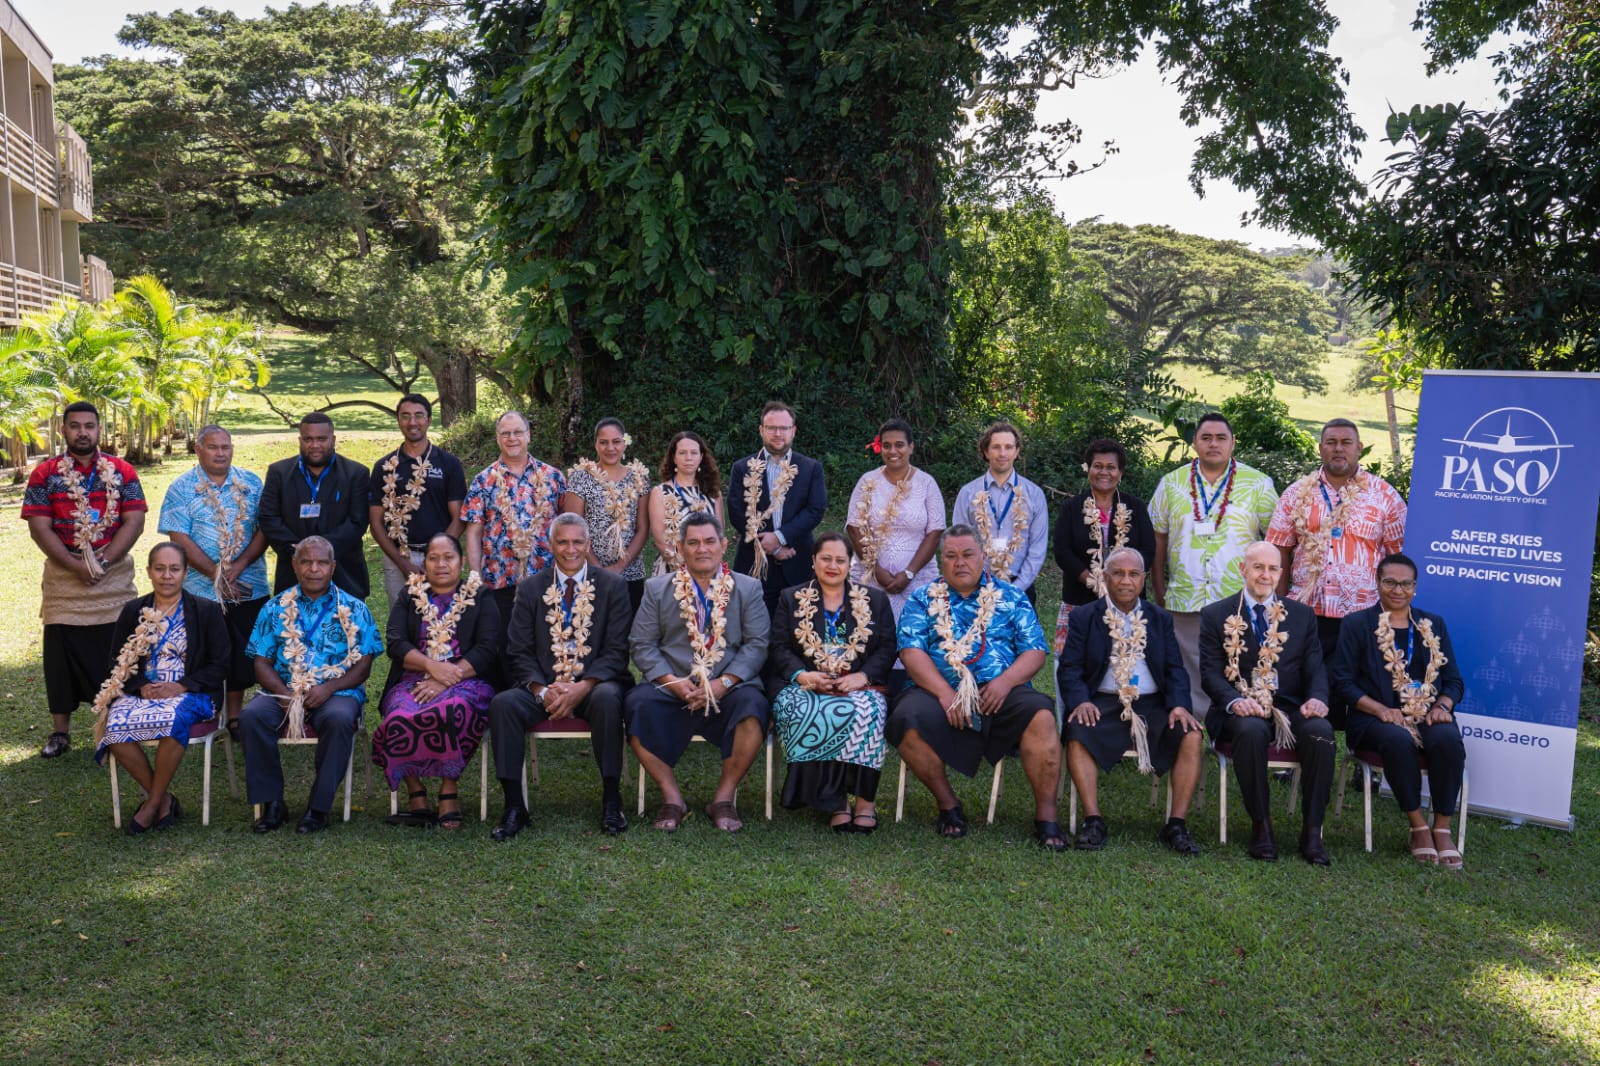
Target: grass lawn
pixel 783 943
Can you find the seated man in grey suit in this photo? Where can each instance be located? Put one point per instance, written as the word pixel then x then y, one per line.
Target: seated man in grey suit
pixel 1261 664
pixel 567 646
pixel 700 640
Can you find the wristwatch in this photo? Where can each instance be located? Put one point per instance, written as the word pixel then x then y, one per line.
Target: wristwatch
pixel 538 697
pixel 910 575
pixel 727 682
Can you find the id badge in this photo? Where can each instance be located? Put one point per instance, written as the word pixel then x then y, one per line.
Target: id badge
pixel 1415 686
pixel 94 515
pixel 1272 680
pixel 1134 680
pixel 311 510
pixel 1337 533
pixel 1206 528
pixel 1000 543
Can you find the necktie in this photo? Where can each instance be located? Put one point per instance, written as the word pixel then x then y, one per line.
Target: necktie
pixel 569 594
pixel 1260 612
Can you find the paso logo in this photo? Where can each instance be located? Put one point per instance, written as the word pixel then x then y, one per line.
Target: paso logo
pixel 1510 451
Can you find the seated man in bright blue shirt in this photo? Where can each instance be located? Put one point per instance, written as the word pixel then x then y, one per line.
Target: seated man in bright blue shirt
pixel 971 645
pixel 339 639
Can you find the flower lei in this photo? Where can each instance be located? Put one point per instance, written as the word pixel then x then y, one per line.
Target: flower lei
pixel 1414 699
pixel 1314 546
pixel 1121 517
pixel 569 641
pixel 957 652
pixel 522 533
pixel 1001 563
pixel 136 647
pixel 621 499
pixel 754 479
pixel 398 509
pixel 1227 492
pixel 708 646
pixel 442 629
pixel 1127 648
pixel 230 533
pixel 302 677
pixel 86 532
pixel 873 534
pixel 1264 676
pixel 806 601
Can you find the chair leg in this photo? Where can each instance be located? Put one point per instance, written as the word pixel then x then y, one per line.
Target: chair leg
pixel 483 784
pixel 533 760
pixel 205 784
pixel 523 771
pixel 900 797
pixel 642 776
pixel 394 801
pixel 1072 807
pixel 116 795
pixel 769 777
pixel 350 780
pixel 1343 783
pixel 1294 791
pixel 1461 821
pixel 1222 798
pixel 233 780
pixel 1366 801
pixel 1155 791
pixel 994 789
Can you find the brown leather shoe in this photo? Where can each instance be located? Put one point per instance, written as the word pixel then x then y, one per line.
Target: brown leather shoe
pixel 1312 849
pixel 1262 844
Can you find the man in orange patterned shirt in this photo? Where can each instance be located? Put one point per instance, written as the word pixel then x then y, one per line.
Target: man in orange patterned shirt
pixel 1331 527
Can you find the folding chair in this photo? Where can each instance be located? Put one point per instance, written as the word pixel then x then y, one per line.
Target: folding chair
pixel 564 729
pixel 1371 764
pixel 1155 792
pixel 994 790
pixel 643 777
pixel 205 733
pixel 1277 759
pixel 349 770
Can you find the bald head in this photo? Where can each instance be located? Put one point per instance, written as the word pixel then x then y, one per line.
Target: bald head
pixel 1260 566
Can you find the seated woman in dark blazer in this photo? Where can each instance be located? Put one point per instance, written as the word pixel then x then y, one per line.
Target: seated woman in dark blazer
pixel 443 634
pixel 1395 666
pixel 833 645
pixel 172 653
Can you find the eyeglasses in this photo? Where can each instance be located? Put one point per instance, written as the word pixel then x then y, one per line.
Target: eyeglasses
pixel 777 429
pixel 1392 584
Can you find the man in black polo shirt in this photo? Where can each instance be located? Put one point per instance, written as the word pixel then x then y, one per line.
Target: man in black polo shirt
pixel 414 493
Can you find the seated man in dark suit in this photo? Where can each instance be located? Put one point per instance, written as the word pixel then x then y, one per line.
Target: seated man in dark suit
pixel 700 640
pixel 567 646
pixel 1122 674
pixel 1261 664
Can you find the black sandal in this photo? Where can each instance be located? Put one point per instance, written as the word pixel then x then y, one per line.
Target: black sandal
pixel 174 812
pixel 454 819
pixel 861 828
pixel 952 823
pixel 422 819
pixel 844 826
pixel 1048 835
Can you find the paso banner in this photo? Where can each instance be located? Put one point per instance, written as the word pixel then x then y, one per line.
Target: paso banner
pixel 1504 485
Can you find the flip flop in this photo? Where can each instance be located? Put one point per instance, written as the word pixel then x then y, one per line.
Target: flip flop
pixel 670 817
pixel 721 811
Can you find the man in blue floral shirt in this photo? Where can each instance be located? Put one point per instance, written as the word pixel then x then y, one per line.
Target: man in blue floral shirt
pixel 971 645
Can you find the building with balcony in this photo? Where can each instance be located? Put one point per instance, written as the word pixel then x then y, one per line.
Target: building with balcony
pixel 48 183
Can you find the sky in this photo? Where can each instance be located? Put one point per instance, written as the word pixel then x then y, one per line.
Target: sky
pixel 1147 181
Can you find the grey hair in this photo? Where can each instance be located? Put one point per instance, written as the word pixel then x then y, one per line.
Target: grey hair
pixel 311 542
pixel 1124 550
pixel 569 519
pixel 960 529
pixel 206 431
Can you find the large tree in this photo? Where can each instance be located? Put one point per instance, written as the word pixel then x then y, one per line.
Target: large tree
pixel 1180 298
pixel 277 164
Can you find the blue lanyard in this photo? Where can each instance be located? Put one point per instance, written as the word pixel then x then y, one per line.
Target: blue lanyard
pixel 94 472
pixel 172 624
pixel 685 495
pixel 705 605
pixel 1000 515
pixel 316 486
pixel 1200 488
pixel 831 621
pixel 1410 631
pixel 313 628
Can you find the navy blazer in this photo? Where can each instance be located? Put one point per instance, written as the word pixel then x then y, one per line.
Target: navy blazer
pixel 528 653
pixel 206 655
pixel 1302 675
pixel 477 632
pixel 784 655
pixel 802 510
pixel 1088 655
pixel 342 495
pixel 1358 668
pixel 1074 544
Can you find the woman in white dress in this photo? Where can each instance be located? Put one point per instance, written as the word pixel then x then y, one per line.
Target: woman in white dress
pixel 896 516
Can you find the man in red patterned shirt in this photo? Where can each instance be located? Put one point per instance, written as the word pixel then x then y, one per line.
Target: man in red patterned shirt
pixel 1331 528
pixel 84 510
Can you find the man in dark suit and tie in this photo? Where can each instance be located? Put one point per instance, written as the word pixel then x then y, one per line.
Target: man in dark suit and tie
pixel 317 493
pixel 1261 664
pixel 1122 675
pixel 567 650
pixel 776 498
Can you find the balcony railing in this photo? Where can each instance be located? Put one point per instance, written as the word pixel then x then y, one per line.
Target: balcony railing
pixel 32 164
pixel 77 178
pixel 22 291
pixel 98 283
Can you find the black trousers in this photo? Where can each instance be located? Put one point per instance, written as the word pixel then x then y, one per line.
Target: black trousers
pixel 1328 637
pixel 1402 760
pixel 335 724
pixel 513 712
pixel 1313 743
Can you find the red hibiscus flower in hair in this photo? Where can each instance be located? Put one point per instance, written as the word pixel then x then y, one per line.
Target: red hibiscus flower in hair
pixel 876 444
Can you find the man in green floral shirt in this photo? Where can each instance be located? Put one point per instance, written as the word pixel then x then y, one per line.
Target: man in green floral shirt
pixel 1205 513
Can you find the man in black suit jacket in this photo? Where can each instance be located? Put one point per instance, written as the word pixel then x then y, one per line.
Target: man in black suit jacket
pixel 1243 714
pixel 783 533
pixel 557 675
pixel 1095 733
pixel 320 493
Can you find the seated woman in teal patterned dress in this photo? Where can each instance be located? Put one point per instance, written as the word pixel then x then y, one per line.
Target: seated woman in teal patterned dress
pixel 172 660
pixel 443 633
pixel 833 645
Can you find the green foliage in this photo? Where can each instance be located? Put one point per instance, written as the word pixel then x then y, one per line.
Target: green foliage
pixel 1181 298
pixel 1267 438
pixel 1486 245
pixel 276 164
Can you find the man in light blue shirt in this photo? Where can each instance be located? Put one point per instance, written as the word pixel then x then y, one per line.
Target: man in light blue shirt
pixel 1008 511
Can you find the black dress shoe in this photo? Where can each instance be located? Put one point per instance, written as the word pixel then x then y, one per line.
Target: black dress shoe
pixel 174 812
pixel 273 815
pixel 311 821
pixel 56 745
pixel 1263 846
pixel 612 821
pixel 512 822
pixel 1175 835
pixel 1312 849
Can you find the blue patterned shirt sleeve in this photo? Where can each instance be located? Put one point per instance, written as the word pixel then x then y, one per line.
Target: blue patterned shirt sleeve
pixel 327 645
pixel 184 511
pixel 1013 630
pixel 915 629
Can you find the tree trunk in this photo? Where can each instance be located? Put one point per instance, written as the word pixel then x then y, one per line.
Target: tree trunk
pixel 572 408
pixel 455 373
pixel 1394 423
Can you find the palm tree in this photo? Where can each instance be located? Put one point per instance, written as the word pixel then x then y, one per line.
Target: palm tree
pixel 162 336
pixel 77 354
pixel 22 401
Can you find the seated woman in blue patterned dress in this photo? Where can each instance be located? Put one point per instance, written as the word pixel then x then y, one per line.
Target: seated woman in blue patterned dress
pixel 172 653
pixel 833 645
pixel 443 634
